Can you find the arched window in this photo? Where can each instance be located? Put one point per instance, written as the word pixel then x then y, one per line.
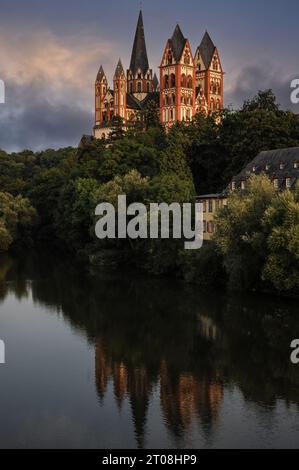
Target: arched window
pixel 183 81
pixel 187 58
pixel 139 87
pixel 148 87
pixel 212 105
pixel 172 80
pixel 189 82
pixel 131 87
pixel 166 81
pixel 169 57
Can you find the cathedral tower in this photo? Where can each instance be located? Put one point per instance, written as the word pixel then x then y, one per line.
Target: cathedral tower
pixel 177 80
pixel 139 75
pixel 120 92
pixel 209 73
pixel 101 86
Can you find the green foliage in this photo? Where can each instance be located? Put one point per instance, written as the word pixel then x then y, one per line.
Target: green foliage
pixel 258 236
pixel 203 267
pixel 16 216
pixel 282 221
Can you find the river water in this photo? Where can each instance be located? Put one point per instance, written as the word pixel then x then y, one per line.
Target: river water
pixel 118 360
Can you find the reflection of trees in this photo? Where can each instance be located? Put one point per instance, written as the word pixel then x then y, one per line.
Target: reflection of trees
pixel 150 333
pixel 11 271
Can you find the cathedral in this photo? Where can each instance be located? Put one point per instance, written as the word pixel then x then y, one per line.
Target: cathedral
pixel 188 84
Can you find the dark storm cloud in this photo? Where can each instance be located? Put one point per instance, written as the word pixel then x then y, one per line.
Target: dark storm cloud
pixel 258 77
pixel 29 120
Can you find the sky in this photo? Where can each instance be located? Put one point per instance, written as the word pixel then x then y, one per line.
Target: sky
pixel 50 52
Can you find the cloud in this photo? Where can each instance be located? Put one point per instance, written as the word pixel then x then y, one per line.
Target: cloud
pixel 257 77
pixel 49 88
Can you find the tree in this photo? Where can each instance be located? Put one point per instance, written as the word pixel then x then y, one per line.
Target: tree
pixel 282 221
pixel 241 235
pixel 258 236
pixel 16 216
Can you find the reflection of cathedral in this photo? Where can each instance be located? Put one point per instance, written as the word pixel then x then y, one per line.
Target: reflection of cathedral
pixel 183 397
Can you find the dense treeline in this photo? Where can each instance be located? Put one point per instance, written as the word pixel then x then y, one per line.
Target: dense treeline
pixel 64 186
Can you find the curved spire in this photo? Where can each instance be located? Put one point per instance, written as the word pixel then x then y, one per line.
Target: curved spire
pixel 139 59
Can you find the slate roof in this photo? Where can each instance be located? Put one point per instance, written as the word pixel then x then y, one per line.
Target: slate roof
pixel 154 96
pixel 178 42
pixel 119 69
pixel 276 164
pixel 134 103
pixel 139 57
pixel 101 74
pixel 207 49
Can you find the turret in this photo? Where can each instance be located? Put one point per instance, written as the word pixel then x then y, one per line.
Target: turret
pixel 101 86
pixel 120 93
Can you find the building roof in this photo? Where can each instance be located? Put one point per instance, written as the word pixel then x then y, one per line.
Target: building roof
pixel 276 164
pixel 207 49
pixel 178 42
pixel 119 70
pixel 133 102
pixel 139 59
pixel 101 74
pixel 212 196
pixel 154 96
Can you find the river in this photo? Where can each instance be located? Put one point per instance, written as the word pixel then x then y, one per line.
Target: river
pixel 118 360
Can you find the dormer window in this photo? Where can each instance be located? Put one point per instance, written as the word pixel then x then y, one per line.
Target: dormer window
pixel 243 185
pixel 276 183
pixel 288 183
pixel 267 167
pixel 281 166
pixel 296 165
pixel 233 185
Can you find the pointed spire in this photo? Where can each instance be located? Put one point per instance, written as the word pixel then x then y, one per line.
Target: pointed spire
pixel 119 70
pixel 139 57
pixel 178 42
pixel 207 49
pixel 101 74
pixel 155 82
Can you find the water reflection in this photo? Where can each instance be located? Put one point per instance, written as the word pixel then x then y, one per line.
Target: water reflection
pixel 157 339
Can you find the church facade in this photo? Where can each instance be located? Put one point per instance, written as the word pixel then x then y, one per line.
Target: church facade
pixel 188 83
